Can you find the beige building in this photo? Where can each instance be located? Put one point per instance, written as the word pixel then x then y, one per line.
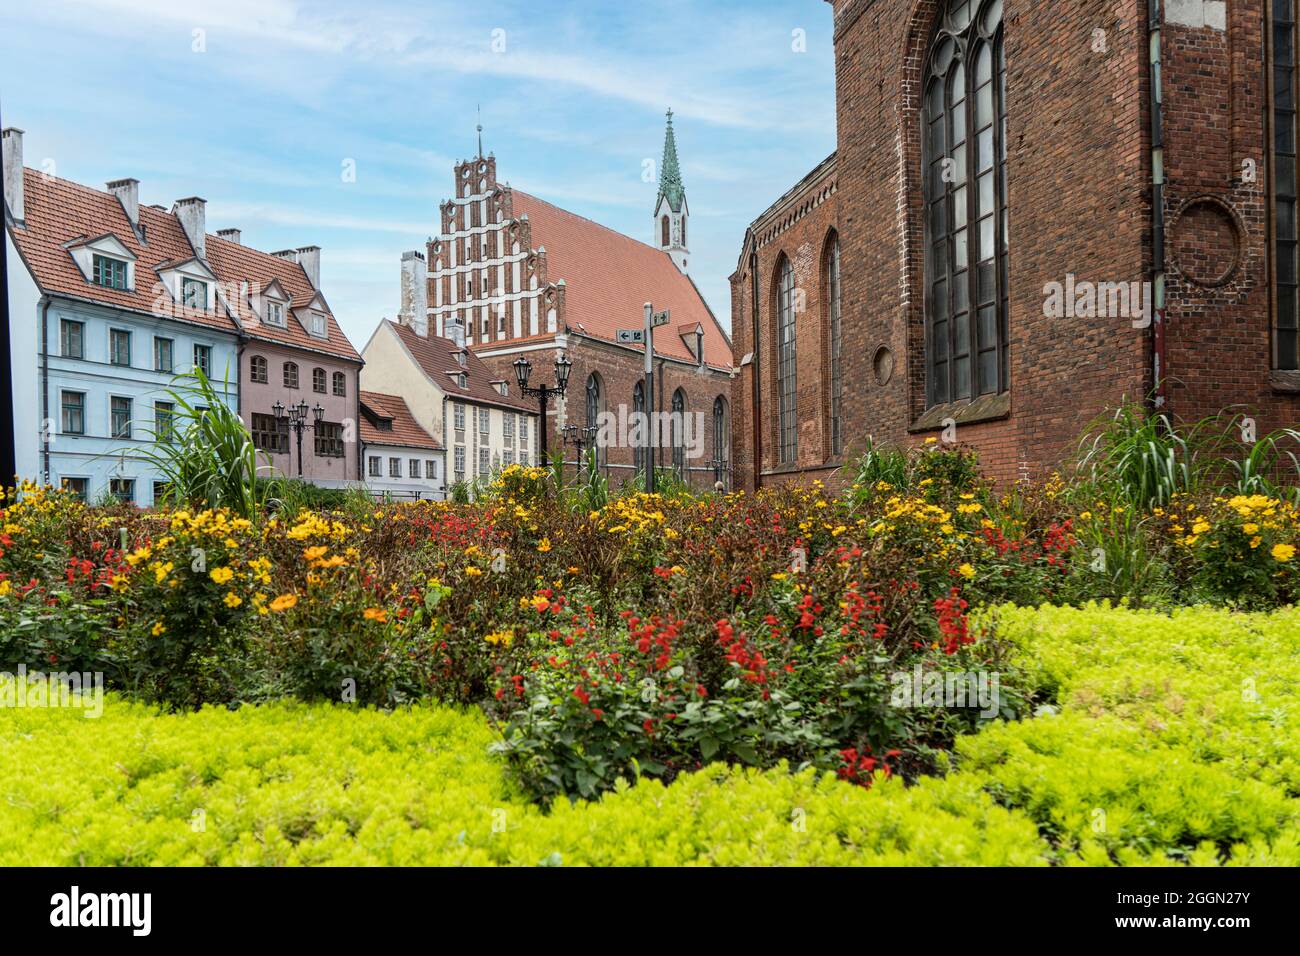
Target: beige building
pixel 478 418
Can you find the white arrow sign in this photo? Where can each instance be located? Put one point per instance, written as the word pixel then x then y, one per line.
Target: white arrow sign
pixel 661 318
pixel 631 335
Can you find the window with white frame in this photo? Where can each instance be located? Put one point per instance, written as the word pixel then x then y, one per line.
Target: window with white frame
pixel 375 467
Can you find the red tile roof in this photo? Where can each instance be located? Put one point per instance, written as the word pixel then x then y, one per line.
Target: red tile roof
pixel 608 277
pixel 60 213
pixel 437 356
pixel 405 432
pixel 235 263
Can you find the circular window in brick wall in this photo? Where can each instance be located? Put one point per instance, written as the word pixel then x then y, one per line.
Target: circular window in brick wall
pixel 882 365
pixel 1206 241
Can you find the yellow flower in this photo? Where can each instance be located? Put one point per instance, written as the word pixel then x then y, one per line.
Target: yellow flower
pixel 221 575
pixel 158 629
pixel 160 571
pixel 284 602
pixel 472 571
pixel 232 599
pixel 314 553
pixel 544 545
pixel 1283 552
pixel 376 614
pixel 969 509
pixel 966 571
pixel 1250 527
pixel 502 638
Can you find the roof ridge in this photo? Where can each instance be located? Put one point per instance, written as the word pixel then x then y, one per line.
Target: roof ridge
pixel 601 225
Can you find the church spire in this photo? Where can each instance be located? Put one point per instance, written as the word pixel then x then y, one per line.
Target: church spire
pixel 670 173
pixel 671 211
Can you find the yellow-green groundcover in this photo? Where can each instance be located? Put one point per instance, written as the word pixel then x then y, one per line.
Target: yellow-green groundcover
pixel 1161 739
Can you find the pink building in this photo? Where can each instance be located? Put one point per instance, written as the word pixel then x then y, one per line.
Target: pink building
pixel 294 356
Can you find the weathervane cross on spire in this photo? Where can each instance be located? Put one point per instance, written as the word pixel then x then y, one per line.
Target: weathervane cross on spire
pixel 480 131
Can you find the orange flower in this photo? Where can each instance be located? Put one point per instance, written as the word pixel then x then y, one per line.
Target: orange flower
pixel 284 602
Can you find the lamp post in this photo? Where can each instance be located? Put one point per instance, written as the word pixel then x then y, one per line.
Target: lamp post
pixel 543 393
pixel 297 418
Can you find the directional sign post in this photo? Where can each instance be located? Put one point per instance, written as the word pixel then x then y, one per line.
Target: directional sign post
pixel 631 335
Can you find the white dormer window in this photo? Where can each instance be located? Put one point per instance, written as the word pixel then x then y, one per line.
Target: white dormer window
pixel 194 293
pixel 109 272
pixel 462 380
pixel 275 314
pixel 503 388
pixel 317 325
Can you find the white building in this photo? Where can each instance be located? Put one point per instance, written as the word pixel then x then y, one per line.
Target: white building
pixel 477 418
pixel 400 459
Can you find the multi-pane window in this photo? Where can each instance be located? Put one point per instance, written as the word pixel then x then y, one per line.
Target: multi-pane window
pixel 1286 275
pixel 508 427
pixel 203 359
pixel 785 363
pixel 484 460
pixel 318 327
pixel 110 273
pixel 329 440
pixel 523 432
pixel 161 492
pixel 275 314
pixel 413 468
pixel 595 405
pixel 164 421
pixel 340 384
pixel 375 466
pixel 394 468
pixel 484 421
pixel 194 293
pixel 458 416
pixel 290 374
pixel 458 460
pixel 72 338
pixel 834 333
pixel 964 128
pixel 74 413
pixel 163 350
pixel 119 414
pixel 257 370
pixel 431 468
pixel 507 457
pixel 123 489
pixel 318 380
pixel 271 434
pixel 80 487
pixel 119 347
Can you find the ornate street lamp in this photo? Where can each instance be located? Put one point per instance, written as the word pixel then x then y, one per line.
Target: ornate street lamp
pixel 296 416
pixel 543 393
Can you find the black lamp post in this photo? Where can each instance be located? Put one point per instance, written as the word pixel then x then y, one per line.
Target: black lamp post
pixel 543 393
pixel 297 417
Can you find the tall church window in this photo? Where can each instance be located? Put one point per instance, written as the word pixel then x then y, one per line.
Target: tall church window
pixel 721 442
pixel 834 333
pixel 1286 300
pixel 595 405
pixel 639 454
pixel 678 422
pixel 664 232
pixel 785 363
pixel 963 121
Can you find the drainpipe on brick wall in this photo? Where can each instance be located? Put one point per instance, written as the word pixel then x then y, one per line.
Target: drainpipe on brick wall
pixel 1157 209
pixel 46 425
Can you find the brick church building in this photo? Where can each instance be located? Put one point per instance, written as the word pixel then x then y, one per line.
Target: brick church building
pixel 1035 211
pixel 512 276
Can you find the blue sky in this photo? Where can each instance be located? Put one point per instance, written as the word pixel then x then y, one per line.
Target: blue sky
pixel 261 120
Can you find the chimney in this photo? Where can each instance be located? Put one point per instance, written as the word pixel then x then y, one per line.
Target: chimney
pixel 230 235
pixel 127 192
pixel 193 215
pixel 415 293
pixel 309 259
pixel 456 331
pixel 13 171
pixel 289 254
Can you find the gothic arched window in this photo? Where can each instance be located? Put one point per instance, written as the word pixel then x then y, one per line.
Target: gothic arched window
pixel 963 122
pixel 721 442
pixel 834 334
pixel 638 405
pixel 678 422
pixel 664 232
pixel 1286 275
pixel 595 405
pixel 787 439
